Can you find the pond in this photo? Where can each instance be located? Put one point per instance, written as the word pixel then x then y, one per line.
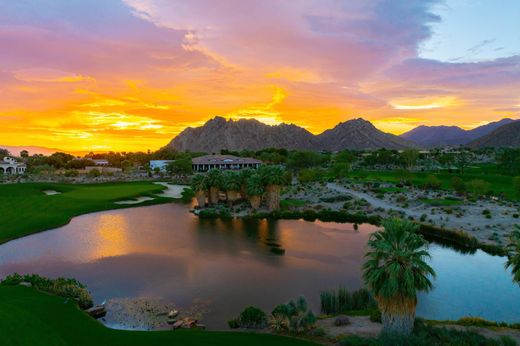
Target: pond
pixel 216 268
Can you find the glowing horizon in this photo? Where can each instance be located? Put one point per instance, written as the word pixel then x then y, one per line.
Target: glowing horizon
pixel 128 75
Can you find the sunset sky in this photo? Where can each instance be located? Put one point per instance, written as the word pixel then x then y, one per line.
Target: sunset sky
pixel 129 75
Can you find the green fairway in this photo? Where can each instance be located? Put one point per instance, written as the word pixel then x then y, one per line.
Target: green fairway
pixel 25 209
pixel 29 317
pixel 498 183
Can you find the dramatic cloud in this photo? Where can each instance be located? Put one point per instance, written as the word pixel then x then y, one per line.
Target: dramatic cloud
pixel 130 74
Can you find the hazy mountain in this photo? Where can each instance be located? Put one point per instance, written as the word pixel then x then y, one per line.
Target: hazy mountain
pixel 15 149
pixel 219 133
pixel 506 136
pixel 359 134
pixel 435 136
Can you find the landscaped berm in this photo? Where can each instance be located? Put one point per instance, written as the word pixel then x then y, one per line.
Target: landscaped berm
pixel 29 317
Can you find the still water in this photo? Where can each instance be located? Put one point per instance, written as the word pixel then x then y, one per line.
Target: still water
pixel 164 252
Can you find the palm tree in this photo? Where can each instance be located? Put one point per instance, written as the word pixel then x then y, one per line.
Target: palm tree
pixel 273 178
pixel 395 271
pixel 255 190
pixel 214 181
pixel 244 177
pixel 231 184
pixel 513 260
pixel 199 185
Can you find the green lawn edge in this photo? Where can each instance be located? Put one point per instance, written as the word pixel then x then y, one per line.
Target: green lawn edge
pixel 30 317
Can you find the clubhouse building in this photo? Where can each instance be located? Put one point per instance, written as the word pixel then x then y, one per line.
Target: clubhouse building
pixel 10 166
pixel 224 162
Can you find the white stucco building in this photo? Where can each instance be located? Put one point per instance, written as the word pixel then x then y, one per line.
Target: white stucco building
pixel 10 166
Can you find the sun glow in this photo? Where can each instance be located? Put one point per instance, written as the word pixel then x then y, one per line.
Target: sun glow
pixel 425 104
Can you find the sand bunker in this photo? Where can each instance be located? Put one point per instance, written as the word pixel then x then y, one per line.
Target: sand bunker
pixel 135 201
pixel 51 192
pixel 172 191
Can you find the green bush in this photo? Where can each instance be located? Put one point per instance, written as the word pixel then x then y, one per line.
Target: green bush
pixel 253 317
pixel 234 323
pixel 63 287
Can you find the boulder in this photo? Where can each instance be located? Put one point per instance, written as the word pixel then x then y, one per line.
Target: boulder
pixel 341 321
pixel 97 311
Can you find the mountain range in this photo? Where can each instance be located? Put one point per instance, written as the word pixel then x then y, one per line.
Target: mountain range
pixel 507 136
pixel 438 136
pixel 357 134
pixel 219 133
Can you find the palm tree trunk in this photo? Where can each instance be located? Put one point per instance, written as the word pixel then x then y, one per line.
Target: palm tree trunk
pixel 397 315
pixel 255 201
pixel 231 196
pixel 273 197
pixel 213 195
pixel 201 198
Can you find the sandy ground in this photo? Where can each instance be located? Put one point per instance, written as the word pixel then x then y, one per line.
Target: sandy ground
pixel 135 201
pixel 468 216
pixel 359 325
pixel 51 192
pixel 362 326
pixel 172 191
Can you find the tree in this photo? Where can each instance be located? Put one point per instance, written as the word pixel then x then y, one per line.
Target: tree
pixel 4 153
pixel 199 185
pixel 255 190
pixel 410 157
pixel 509 160
pixel 458 185
pixel 462 160
pixel 478 187
pixel 513 258
pixel 214 181
pixel 231 184
pixel 273 178
pixel 181 166
pixel 24 154
pixel 395 271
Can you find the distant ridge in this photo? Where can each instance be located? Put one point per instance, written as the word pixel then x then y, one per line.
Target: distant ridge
pixel 219 133
pixel 506 136
pixel 436 136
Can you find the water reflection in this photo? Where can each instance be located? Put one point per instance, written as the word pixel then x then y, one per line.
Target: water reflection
pixel 165 252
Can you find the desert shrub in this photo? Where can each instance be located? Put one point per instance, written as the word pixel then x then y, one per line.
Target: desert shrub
pixel 375 316
pixel 458 185
pixel 295 316
pixel 71 173
pixel 478 187
pixel 214 213
pixel 253 317
pixel 516 186
pixel 62 287
pixel 94 173
pixel 234 323
pixel 432 183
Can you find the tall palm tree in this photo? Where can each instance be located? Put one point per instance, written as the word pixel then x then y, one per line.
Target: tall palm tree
pixel 513 260
pixel 199 185
pixel 255 190
pixel 231 184
pixel 273 178
pixel 395 271
pixel 244 177
pixel 214 181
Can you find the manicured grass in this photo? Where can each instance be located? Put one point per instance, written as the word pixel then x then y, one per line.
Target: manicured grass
pixel 292 202
pixel 29 317
pixel 438 202
pixel 498 183
pixel 25 209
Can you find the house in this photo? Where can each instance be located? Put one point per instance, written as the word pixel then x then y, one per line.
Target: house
pixel 101 162
pixel 160 164
pixel 207 162
pixel 9 165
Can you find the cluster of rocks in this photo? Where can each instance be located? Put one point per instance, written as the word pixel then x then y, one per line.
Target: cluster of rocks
pixel 185 323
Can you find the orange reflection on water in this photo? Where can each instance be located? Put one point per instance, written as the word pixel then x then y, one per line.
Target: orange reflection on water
pixel 112 240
